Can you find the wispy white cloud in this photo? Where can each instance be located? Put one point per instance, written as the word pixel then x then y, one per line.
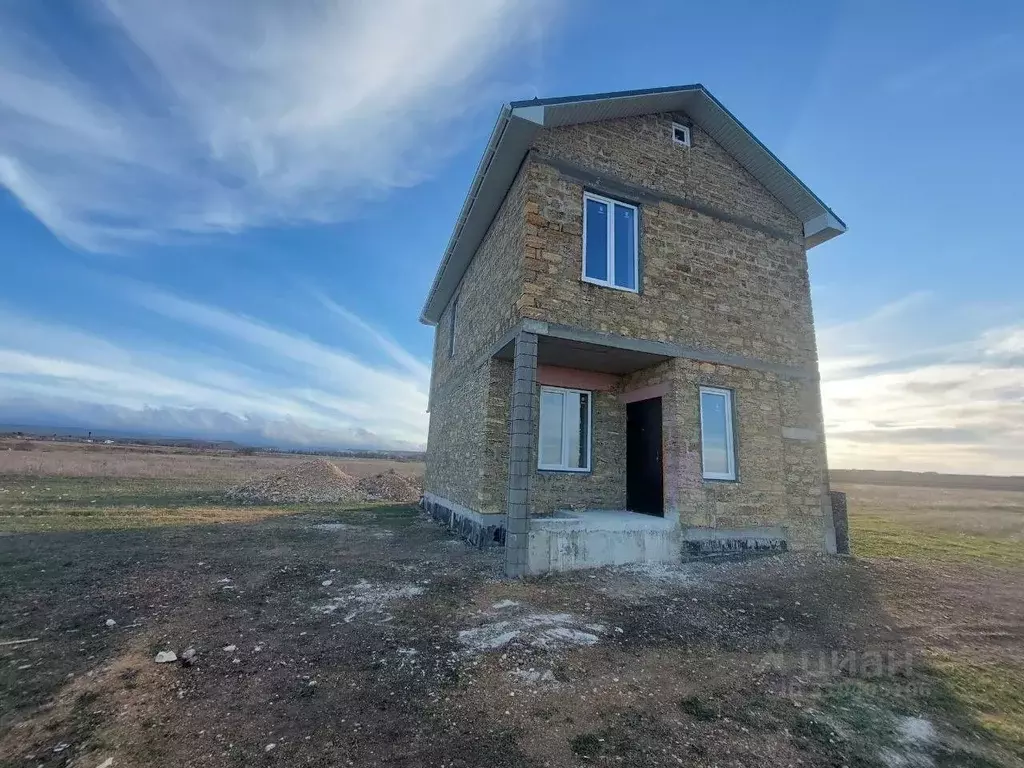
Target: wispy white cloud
pixel 382 341
pixel 300 393
pixel 322 365
pixel 194 117
pixel 898 401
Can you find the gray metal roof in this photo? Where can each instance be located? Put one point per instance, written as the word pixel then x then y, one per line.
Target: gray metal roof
pixel 520 121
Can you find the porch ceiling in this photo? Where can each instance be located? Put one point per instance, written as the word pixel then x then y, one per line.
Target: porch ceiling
pixel 586 356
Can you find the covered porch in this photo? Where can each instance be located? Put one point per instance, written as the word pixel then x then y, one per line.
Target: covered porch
pixel 606 507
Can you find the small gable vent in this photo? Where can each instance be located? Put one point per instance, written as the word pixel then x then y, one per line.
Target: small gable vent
pixel 681 135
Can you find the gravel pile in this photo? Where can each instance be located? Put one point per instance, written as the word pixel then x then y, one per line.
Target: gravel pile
pixel 389 486
pixel 317 482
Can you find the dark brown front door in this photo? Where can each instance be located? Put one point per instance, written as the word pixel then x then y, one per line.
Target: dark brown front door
pixel 643 457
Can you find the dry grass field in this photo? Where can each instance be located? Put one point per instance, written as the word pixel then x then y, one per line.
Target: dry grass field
pixel 937 524
pixel 78 486
pixel 326 635
pixel 206 467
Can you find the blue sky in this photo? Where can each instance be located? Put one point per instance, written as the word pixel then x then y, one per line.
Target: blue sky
pixel 222 218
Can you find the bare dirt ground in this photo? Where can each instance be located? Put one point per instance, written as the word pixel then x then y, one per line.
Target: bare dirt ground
pixel 325 636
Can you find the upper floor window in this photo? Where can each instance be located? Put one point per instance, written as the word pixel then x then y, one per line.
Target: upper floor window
pixel 681 135
pixel 610 238
pixel 451 326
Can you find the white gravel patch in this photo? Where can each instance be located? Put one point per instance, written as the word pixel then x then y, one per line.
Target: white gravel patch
pixel 916 731
pixel 533 676
pixel 917 735
pixel 333 527
pixel 369 598
pixel 547 631
pixel 502 605
pixel 350 528
pixel 671 573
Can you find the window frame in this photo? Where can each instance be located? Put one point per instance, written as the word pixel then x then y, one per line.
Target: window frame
pixel 451 326
pixel 686 130
pixel 565 435
pixel 610 249
pixel 730 436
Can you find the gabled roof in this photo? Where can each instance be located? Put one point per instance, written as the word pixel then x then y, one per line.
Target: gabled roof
pixel 520 121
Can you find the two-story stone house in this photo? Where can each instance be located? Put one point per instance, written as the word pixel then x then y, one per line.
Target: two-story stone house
pixel 624 358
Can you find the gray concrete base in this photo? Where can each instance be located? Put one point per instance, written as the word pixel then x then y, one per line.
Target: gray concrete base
pixel 573 540
pixel 698 541
pixel 479 530
pixel 841 522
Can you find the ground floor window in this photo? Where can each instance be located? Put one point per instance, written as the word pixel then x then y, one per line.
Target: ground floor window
pixel 564 430
pixel 716 434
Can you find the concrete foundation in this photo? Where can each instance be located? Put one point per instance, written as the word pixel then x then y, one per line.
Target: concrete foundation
pixel 699 541
pixel 841 522
pixel 479 530
pixel 572 540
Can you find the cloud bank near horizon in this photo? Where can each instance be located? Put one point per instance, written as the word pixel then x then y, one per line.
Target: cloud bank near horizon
pixel 896 398
pixel 271 384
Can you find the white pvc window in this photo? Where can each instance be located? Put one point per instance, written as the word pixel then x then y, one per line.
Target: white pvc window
pixel 718 451
pixel 610 243
pixel 565 420
pixel 680 135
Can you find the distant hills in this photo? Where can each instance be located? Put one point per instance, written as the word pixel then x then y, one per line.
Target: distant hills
pixel 107 434
pixel 146 438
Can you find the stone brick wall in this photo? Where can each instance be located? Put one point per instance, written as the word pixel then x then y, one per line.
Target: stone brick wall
pixel 781 481
pixel 460 432
pixel 639 150
pixel 604 487
pixel 456 438
pixel 704 281
pixel 488 292
pixel 494 481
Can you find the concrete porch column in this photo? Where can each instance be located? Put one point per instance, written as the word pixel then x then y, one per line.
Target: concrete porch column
pixel 521 431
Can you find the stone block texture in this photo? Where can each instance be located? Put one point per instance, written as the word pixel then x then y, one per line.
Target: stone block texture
pixel 781 482
pixel 459 465
pixel 723 268
pixel 704 281
pixel 604 487
pixel 521 430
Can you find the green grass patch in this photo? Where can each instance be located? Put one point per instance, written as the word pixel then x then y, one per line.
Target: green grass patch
pixel 861 723
pixel 873 536
pixel 992 691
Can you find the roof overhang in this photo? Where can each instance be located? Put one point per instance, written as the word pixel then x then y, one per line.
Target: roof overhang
pixel 519 122
pixel 584 355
